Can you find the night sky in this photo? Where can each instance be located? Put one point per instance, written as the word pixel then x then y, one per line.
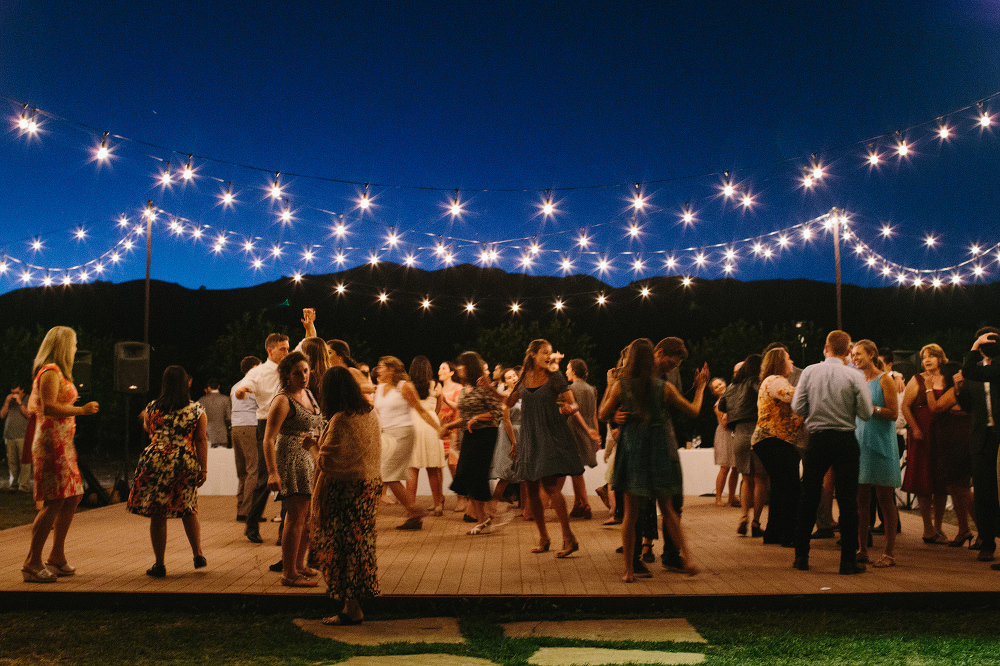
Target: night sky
pixel 510 104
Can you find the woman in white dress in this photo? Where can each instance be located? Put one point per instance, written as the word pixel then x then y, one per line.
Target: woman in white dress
pixel 395 396
pixel 428 448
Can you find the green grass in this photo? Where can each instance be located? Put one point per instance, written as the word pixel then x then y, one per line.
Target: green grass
pixel 16 509
pixel 773 637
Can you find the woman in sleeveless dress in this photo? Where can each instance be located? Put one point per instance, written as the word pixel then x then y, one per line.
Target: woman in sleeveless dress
pixel 925 475
pixel 58 484
pixel 447 393
pixel 172 467
pixel 879 463
pixel 395 397
pixel 294 421
pixel 646 463
pixel 428 449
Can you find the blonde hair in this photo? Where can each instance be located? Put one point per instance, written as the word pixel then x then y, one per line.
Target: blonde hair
pixel 839 342
pixel 773 363
pixel 397 367
pixel 872 350
pixel 57 347
pixel 934 349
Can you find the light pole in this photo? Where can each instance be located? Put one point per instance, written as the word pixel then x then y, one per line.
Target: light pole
pixel 834 214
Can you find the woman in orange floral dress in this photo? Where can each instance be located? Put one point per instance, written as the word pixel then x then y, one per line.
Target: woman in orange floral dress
pixel 58 484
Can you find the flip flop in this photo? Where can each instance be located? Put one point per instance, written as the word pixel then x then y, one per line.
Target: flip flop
pixel 341 620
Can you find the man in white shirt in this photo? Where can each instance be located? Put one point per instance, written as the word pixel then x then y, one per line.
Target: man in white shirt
pixel 262 383
pixel 244 438
pixel 831 395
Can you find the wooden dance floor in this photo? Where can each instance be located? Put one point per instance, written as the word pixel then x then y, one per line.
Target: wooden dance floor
pixel 111 551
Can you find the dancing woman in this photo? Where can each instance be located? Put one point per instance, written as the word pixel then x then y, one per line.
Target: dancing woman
pixel 647 464
pixel 545 453
pixel 428 449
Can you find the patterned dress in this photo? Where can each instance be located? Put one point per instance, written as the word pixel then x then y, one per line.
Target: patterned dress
pixel 295 465
pixel 53 455
pixel 646 458
pixel 342 522
pixel 165 483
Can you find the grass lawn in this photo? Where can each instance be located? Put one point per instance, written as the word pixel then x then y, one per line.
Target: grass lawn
pixel 774 637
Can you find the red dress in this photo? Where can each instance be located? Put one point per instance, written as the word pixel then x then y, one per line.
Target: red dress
pixel 57 475
pixel 925 464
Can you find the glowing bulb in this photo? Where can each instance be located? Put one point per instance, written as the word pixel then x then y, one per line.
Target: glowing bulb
pixel 515 307
pixel 99 268
pixel 807 233
pixel 930 241
pixel 308 255
pixel 102 152
pixel 470 307
pixel 817 172
pixel 373 260
pixel 700 259
pixel 637 202
pixel 687 217
pixel 871 261
pixel 670 262
pixel 115 257
pixel 188 172
pixel 535 248
pixel 782 241
pixel 26 277
pixel 3 267
pixel 558 305
pixel 859 248
pixel 873 159
pixel 807 182
pixel 439 250
pixel 918 281
pixel 886 271
pixel 768 252
pixel 978 271
pixel 936 282
pixel 383 297
pixel 583 240
pixel 601 299
pixel 248 246
pixel 275 190
pixel 602 265
pixel 425 304
pixel 637 265
pixel 32 126
pixel 340 258
pixel 364 202
pixel 286 215
pixel 123 222
pixel 484 256
pixel 82 277
pixel 686 281
pixel 944 132
pixel 217 248
pixel 47 281
pixel 341 288
pixel 176 227
pixel 728 268
pixel 633 230
pixel 956 279
pixel 757 248
pixel 449 258
pixel 985 120
pixel 276 251
pixel 297 276
pixel 644 292
pixel 129 244
pixel 410 260
pixel 975 250
pixel 393 239
pixel 567 265
pixel 730 254
pixel 196 233
pixel 166 178
pixel 548 208
pixel 258 263
pixel 494 255
pixel 728 190
pixel 901 278
pixel 67 280
pixel 456 206
pixel 886 231
pixel 80 233
pixel 139 229
pixel 526 261
pixel 747 201
pixel 902 149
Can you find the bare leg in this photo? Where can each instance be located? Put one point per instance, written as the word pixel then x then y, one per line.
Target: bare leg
pixel 940 501
pixel 759 497
pixel 296 510
pixel 158 536
pixel 553 487
pixel 628 536
pixel 734 479
pixel 435 479
pixel 404 498
pixel 864 517
pixel 580 492
pixel 64 518
pixel 535 501
pixel 412 482
pixel 498 491
pixel 192 528
pixel 960 499
pixel 887 500
pixel 746 497
pixel 720 484
pixel 926 514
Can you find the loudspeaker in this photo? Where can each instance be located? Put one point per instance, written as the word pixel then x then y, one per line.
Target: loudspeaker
pixel 82 366
pixel 132 367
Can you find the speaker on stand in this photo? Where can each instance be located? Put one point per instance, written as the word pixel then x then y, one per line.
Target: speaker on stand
pixel 93 493
pixel 131 378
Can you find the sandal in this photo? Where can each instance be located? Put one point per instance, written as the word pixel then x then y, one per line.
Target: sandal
pixel 60 569
pixel 298 581
pixel 568 549
pixel 481 528
pixel 960 539
pixel 542 547
pixel 43 575
pixel 309 572
pixel 341 620
pixel 647 553
pixel 938 539
pixel 885 562
pixel 612 521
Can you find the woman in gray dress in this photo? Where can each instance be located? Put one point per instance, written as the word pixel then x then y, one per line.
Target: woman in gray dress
pixel 294 418
pixel 545 453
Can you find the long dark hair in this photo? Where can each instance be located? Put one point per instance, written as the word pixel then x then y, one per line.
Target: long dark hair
pixel 750 370
pixel 315 351
pixel 473 363
pixel 638 369
pixel 422 375
pixel 340 392
pixel 343 350
pixel 175 392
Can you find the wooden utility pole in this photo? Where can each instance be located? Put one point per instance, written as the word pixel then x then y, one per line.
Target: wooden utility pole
pixel 834 215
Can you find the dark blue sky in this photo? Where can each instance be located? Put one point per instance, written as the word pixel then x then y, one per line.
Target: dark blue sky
pixel 501 102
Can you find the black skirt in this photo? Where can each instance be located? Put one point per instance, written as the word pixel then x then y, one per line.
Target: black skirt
pixel 472 475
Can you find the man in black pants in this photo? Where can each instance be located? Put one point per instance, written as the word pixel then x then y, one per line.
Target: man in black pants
pixel 976 386
pixel 830 395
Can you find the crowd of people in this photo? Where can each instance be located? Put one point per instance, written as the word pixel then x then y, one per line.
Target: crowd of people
pixel 333 440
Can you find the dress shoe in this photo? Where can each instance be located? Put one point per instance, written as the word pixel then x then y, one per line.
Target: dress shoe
pixel 987 552
pixel 849 568
pixel 253 536
pixel 801 563
pixel 826 533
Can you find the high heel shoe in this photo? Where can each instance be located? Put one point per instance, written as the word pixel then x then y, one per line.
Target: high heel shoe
pixel 542 547
pixel 936 539
pixel 60 569
pixel 960 540
pixel 755 530
pixel 43 575
pixel 568 549
pixel 742 529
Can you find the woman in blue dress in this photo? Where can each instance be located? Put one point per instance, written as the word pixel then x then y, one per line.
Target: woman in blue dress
pixel 879 464
pixel 646 463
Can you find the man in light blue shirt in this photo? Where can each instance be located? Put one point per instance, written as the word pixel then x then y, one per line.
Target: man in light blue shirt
pixel 830 395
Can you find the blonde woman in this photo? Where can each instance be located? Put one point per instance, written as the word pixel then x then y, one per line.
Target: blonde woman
pixel 58 484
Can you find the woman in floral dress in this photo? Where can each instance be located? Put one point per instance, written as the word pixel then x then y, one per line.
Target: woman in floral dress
pixel 57 477
pixel 172 467
pixel 348 485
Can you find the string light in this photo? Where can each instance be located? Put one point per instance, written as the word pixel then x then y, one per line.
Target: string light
pixel 548 208
pixel 633 230
pixel 686 281
pixel 383 297
pixel 102 153
pixel 426 303
pixel 276 186
pixel 470 307
pixel 227 196
pixel 943 132
pixel 410 260
pixel 644 292
pixel 341 288
pixel 558 305
pixel 286 213
pixel 188 172
pixel 363 201
pixel 601 299
pixel 687 216
pixel 637 201
pixel 456 206
pixel 515 307
pixel 166 180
